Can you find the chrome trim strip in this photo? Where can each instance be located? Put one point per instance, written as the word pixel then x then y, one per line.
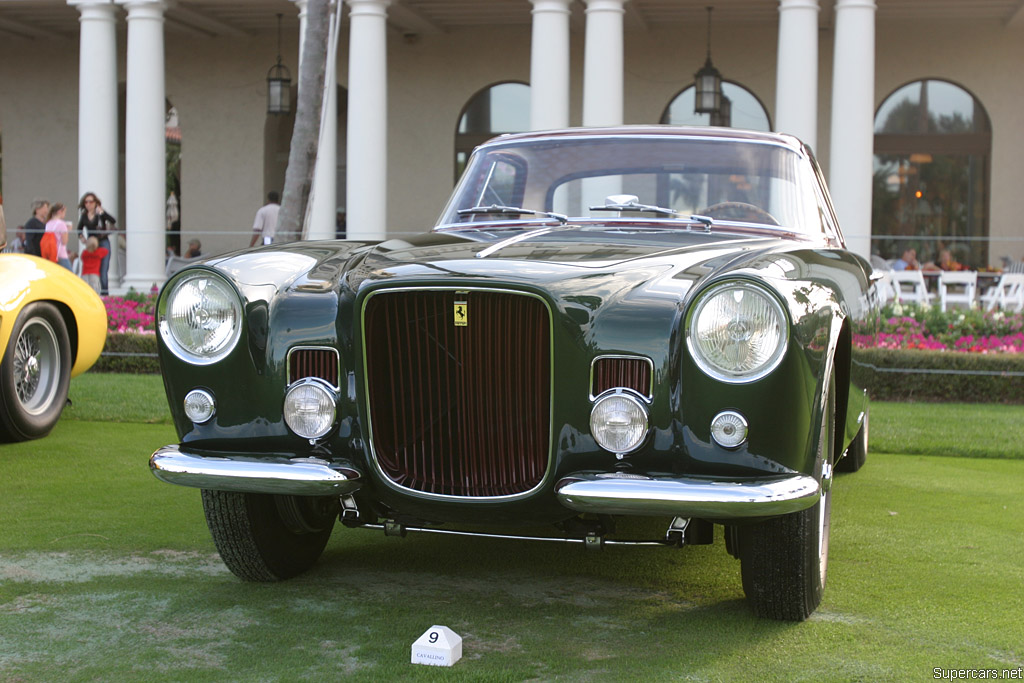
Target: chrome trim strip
pixel 337 358
pixel 686 497
pixel 649 396
pixel 364 397
pixel 294 477
pixel 626 135
pixel 514 537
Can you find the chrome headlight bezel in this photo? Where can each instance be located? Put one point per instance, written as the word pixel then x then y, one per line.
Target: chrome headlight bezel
pixel 631 401
pixel 231 314
pixel 779 320
pixel 328 397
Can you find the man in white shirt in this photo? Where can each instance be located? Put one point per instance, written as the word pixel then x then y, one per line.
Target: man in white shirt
pixel 265 226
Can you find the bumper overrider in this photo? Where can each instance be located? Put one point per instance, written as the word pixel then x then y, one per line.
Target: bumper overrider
pixel 603 493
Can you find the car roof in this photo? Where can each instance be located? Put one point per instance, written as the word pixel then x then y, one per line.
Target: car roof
pixel 641 131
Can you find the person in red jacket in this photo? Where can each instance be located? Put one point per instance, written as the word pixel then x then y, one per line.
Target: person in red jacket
pixel 48 246
pixel 92 260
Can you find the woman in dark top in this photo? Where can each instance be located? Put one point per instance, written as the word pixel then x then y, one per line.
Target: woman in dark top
pixel 99 224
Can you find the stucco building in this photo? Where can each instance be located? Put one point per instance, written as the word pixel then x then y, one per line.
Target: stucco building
pixel 913 107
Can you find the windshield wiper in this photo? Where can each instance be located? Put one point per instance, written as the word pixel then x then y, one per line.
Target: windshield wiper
pixel 498 208
pixel 629 202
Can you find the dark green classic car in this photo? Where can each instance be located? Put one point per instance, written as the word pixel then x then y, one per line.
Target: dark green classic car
pixel 604 323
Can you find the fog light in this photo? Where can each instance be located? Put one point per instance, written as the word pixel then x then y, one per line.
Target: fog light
pixel 199 405
pixel 309 408
pixel 618 423
pixel 729 429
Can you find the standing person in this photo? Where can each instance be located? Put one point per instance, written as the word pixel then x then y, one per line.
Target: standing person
pixel 265 226
pixel 36 226
pixel 92 258
pixel 94 220
pixel 59 227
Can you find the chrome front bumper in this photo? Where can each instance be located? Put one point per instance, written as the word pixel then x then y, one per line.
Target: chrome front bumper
pixel 616 494
pixel 285 476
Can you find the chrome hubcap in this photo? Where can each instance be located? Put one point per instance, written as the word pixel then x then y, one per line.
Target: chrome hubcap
pixel 36 366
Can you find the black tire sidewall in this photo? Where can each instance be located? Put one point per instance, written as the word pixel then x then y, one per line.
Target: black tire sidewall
pixel 15 423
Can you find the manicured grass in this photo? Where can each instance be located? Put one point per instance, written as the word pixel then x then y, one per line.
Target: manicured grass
pixel 117 397
pixel 108 574
pixel 955 429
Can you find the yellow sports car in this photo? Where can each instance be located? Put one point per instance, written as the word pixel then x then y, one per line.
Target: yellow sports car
pixel 52 328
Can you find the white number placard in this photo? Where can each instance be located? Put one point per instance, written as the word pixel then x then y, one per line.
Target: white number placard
pixel 438 646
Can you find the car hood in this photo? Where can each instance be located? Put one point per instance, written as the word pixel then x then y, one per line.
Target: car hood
pixel 573 261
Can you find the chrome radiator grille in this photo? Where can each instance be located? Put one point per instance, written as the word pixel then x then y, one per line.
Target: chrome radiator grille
pixel 459 387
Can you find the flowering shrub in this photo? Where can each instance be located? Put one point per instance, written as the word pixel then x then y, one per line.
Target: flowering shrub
pixel 131 314
pixel 972 331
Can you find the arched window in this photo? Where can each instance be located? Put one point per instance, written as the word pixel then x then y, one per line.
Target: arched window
pixel 933 143
pixel 497 109
pixel 744 110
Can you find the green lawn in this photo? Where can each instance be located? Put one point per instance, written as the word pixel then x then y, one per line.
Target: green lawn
pixel 108 574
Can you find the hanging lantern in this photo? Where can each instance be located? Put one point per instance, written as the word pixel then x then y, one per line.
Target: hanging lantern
pixel 279 82
pixel 723 117
pixel 708 98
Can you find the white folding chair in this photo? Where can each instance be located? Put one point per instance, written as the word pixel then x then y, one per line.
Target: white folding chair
pixel 957 287
pixel 909 287
pixel 885 291
pixel 1007 293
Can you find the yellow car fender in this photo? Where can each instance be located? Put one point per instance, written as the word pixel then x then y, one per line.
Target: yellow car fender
pixel 26 279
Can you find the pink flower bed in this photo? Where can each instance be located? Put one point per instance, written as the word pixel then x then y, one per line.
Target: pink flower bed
pixel 911 327
pixel 130 315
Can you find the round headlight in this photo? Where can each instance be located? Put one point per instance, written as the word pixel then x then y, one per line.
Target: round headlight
pixel 201 318
pixel 737 332
pixel 618 422
pixel 309 409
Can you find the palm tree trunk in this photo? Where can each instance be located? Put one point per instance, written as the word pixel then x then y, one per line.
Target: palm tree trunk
pixel 298 179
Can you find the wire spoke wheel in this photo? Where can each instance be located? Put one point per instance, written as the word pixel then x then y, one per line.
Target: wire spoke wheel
pixel 37 366
pixel 34 374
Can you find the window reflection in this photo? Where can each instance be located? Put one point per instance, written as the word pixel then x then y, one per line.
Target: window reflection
pixel 932 150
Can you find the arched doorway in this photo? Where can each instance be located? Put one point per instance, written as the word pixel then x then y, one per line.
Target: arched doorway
pixel 933 145
pixel 496 109
pixel 744 110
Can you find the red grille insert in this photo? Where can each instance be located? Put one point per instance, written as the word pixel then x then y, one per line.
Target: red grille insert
pixel 459 410
pixel 322 363
pixel 628 373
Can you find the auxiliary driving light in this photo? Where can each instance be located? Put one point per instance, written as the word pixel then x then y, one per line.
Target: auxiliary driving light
pixel 729 429
pixel 618 422
pixel 199 405
pixel 309 408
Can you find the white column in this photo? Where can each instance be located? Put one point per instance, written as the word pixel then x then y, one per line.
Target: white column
pixel 97 101
pixel 549 65
pixel 796 83
pixel 320 214
pixel 98 155
pixel 145 164
pixel 367 143
pixel 853 107
pixel 603 63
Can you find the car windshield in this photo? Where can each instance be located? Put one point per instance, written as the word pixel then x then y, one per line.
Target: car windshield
pixel 656 177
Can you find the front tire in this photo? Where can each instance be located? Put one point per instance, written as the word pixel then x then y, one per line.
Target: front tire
pixel 263 537
pixel 784 561
pixel 35 374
